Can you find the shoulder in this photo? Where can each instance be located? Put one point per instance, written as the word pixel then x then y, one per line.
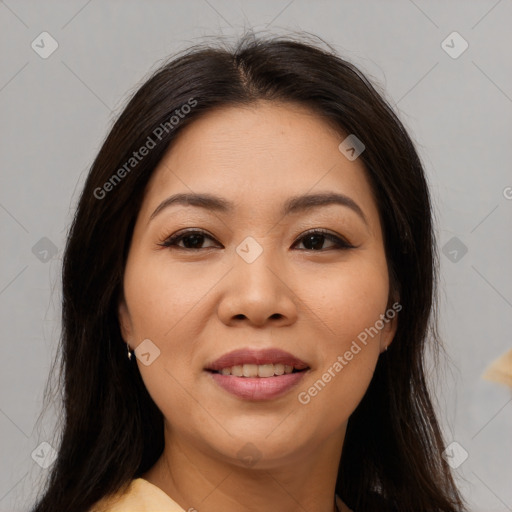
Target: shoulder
pixel 140 495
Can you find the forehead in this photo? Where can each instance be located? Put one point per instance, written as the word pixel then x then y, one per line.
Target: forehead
pixel 257 156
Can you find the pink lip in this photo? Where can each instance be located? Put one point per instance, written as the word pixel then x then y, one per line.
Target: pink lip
pixel 258 388
pixel 250 356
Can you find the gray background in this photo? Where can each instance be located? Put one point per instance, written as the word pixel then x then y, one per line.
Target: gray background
pixel 56 111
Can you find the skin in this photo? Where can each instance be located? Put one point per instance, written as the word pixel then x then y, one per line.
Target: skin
pixel 198 304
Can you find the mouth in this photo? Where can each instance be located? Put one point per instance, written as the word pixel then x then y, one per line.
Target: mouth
pixel 257 363
pixel 257 374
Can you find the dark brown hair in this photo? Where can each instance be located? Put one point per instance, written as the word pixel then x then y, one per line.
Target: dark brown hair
pixel 112 431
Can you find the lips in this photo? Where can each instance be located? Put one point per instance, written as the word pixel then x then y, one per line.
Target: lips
pixel 257 374
pixel 256 357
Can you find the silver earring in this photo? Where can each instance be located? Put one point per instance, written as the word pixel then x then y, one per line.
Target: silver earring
pixel 129 352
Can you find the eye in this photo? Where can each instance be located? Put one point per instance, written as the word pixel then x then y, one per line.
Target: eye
pixel 313 240
pixel 192 240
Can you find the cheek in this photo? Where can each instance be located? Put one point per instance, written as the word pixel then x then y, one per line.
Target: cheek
pixel 347 301
pixel 349 306
pixel 168 305
pixel 161 297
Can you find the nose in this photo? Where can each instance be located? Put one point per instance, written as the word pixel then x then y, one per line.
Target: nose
pixel 258 293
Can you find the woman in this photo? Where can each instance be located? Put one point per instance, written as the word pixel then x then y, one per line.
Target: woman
pixel 248 286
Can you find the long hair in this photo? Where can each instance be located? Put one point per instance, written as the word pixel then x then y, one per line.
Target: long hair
pixel 112 430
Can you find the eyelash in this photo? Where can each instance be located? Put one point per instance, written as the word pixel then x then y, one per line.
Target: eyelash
pixel 340 243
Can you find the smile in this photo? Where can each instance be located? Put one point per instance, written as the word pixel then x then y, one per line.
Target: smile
pixel 259 370
pixel 257 374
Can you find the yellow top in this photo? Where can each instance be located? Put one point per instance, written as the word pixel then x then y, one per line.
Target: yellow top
pixel 143 496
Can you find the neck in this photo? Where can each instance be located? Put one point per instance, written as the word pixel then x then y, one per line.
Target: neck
pixel 196 480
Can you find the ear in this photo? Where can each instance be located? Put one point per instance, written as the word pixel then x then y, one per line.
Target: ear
pixel 125 322
pixel 390 326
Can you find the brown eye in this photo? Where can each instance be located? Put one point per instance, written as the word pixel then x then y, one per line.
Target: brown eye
pixel 192 240
pixel 314 241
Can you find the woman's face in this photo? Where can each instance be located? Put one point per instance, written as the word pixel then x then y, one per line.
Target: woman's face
pixel 255 279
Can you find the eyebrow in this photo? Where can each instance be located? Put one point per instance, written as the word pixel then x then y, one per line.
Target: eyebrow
pixel 292 205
